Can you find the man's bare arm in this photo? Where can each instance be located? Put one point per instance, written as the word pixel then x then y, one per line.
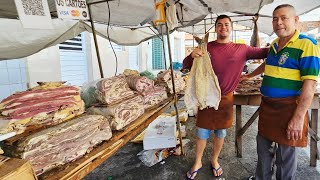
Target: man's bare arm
pixel 254 73
pixel 295 125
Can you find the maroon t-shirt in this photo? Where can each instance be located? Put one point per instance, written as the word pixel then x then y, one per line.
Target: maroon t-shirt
pixel 227 61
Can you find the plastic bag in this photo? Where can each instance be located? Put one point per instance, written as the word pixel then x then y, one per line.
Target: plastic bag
pixel 152 157
pixel 148 74
pixel 88 93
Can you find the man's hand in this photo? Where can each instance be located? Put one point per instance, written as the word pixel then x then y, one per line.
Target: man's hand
pixel 295 128
pixel 295 125
pixel 197 53
pixel 244 77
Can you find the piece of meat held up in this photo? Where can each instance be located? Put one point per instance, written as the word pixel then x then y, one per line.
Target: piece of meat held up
pixel 203 88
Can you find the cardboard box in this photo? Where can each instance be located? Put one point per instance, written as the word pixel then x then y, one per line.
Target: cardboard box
pixel 161 133
pixel 15 169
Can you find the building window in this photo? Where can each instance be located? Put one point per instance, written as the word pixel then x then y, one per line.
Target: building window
pixel 73 61
pixel 74 44
pixel 157 54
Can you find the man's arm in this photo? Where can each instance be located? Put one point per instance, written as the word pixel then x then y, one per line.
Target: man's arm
pixel 254 73
pixel 257 53
pixel 295 125
pixel 187 62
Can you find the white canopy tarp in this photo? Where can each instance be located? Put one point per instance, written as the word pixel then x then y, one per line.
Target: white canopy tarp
pixel 139 12
pixel 17 42
pixel 127 15
pixel 243 16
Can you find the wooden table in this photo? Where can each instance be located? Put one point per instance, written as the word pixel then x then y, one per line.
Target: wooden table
pixel 254 100
pixel 83 166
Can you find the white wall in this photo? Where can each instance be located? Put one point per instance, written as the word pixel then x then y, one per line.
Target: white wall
pixel 174 37
pixel 44 66
pixel 177 40
pixel 144 55
pixel 13 77
pixel 108 59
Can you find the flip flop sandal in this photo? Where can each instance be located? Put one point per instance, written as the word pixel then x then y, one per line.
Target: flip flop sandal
pixel 191 174
pixel 216 170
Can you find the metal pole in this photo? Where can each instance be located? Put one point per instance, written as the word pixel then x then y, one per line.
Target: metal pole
pixel 164 49
pixel 205 27
pixel 174 90
pixel 192 36
pixel 232 31
pixel 95 42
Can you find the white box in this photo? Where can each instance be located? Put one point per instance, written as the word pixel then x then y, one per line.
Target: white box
pixel 161 133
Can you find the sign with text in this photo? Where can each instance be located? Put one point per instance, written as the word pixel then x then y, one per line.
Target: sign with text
pixel 72 9
pixel 34 14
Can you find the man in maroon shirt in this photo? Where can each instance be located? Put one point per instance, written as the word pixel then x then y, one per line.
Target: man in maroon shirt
pixel 227 59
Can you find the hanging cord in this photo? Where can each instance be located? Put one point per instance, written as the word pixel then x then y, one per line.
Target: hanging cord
pixel 110 40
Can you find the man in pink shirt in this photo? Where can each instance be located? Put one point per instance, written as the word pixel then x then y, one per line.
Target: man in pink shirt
pixel 227 59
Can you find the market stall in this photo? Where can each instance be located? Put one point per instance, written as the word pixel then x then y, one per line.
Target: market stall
pixel 121 16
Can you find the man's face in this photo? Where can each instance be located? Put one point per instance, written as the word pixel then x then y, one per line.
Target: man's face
pixel 223 28
pixel 284 22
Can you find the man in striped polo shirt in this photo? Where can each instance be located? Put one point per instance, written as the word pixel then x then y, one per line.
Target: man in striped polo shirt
pixel 291 72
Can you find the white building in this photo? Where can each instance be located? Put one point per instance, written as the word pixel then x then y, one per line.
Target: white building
pixel 75 61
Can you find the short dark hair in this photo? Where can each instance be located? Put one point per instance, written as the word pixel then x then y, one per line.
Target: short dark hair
pixel 284 6
pixel 222 16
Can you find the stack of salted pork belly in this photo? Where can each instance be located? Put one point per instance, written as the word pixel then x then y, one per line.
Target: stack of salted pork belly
pixel 60 129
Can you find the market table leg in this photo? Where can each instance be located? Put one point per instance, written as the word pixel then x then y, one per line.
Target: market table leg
pixel 249 123
pixel 313 143
pixel 238 139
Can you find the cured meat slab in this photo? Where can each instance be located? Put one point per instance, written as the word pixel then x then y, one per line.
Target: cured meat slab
pixel 140 83
pixel 152 98
pixel 121 114
pixel 113 90
pixel 61 144
pixel 47 104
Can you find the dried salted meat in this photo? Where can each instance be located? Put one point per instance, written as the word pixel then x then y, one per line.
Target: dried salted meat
pixel 113 90
pixel 43 105
pixel 121 114
pixel 140 83
pixel 154 97
pixel 61 144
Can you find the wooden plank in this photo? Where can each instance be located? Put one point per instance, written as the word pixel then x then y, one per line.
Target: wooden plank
pixel 238 140
pixel 248 124
pixel 313 143
pixel 255 100
pixel 240 100
pixel 81 167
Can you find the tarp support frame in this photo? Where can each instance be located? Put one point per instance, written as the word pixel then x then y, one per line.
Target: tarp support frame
pixel 95 42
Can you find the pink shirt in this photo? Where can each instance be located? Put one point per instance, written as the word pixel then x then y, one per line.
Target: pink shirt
pixel 227 61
